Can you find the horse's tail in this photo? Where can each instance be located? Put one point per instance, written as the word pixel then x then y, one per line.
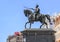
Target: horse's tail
pixel 48 17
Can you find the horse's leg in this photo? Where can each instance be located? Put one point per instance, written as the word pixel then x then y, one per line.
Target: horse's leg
pixel 48 17
pixel 30 25
pixel 26 24
pixel 46 25
pixel 41 26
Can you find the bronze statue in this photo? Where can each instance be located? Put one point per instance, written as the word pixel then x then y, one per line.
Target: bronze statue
pixel 40 17
pixel 36 11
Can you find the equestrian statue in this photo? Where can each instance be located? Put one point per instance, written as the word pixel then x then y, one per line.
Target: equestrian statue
pixel 36 16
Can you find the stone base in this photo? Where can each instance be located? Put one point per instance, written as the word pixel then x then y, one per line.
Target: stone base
pixel 39 35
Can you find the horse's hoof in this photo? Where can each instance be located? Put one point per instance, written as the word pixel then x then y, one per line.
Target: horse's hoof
pixel 40 27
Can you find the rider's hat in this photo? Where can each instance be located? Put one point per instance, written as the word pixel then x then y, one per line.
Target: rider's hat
pixel 37 6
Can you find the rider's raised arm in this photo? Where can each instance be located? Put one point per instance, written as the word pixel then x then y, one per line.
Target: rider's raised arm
pixel 32 8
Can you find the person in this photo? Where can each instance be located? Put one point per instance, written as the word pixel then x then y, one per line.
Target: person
pixel 36 11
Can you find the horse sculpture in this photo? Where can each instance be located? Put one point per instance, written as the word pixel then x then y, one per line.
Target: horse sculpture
pixel 31 18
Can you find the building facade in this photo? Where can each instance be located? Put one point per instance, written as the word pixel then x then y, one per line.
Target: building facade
pixel 17 37
pixel 57 27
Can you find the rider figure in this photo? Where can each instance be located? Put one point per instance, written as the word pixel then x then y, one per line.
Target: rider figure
pixel 37 11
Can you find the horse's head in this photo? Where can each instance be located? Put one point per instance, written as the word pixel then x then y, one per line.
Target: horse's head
pixel 27 12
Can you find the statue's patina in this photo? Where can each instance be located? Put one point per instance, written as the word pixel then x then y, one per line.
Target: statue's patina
pixel 32 17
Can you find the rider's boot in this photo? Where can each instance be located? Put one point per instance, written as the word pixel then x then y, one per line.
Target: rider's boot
pixel 35 16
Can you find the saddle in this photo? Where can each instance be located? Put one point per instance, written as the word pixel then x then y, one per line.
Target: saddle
pixel 35 17
pixel 38 15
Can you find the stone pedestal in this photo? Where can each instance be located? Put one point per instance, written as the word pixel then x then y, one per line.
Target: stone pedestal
pixel 39 35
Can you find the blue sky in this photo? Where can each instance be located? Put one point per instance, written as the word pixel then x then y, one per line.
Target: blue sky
pixel 12 18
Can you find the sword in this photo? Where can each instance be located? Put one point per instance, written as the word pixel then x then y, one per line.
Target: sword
pixel 29 8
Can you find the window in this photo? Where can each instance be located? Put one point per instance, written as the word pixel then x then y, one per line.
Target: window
pixel 17 38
